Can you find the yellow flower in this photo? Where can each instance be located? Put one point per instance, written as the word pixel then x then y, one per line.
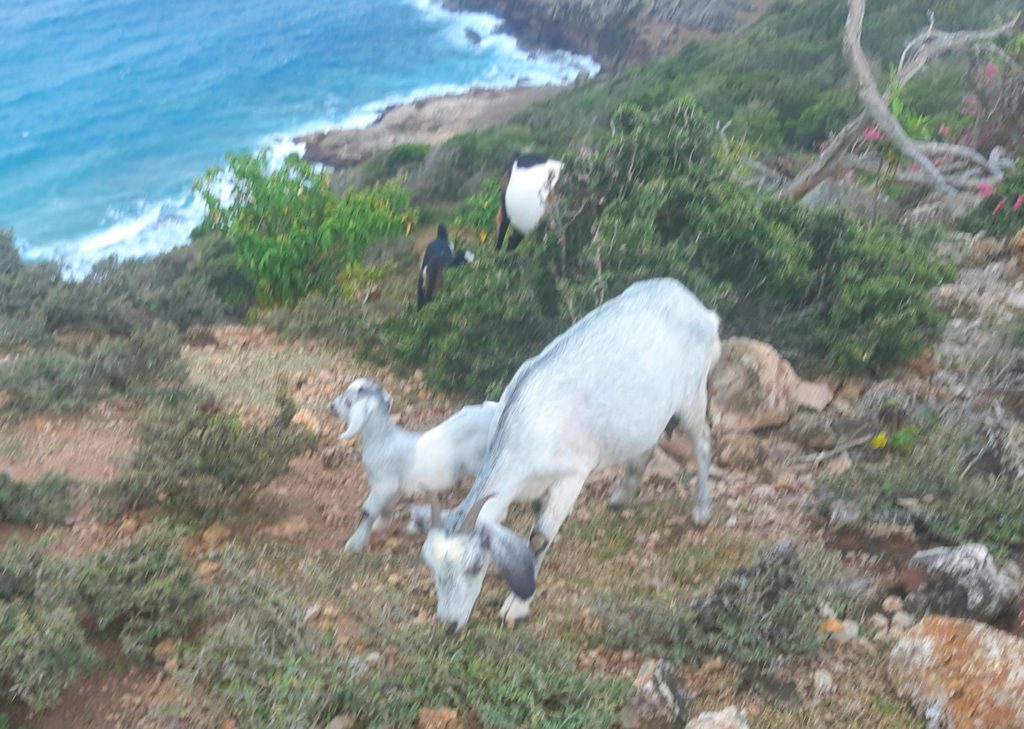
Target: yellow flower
pixel 482 235
pixel 880 441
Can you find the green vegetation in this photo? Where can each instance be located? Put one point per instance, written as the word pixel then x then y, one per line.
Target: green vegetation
pixel 41 503
pixel 202 461
pixel 42 647
pixel 1002 212
pixel 145 590
pixel 953 503
pixel 657 199
pixel 756 615
pixel 290 235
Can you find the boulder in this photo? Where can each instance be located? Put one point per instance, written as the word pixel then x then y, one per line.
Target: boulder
pixel 740 451
pixel 438 719
pixel 661 701
pixel 811 430
pixel 814 396
pixel 728 718
pixel 938 207
pixel 961 674
pixel 752 387
pixel 963 581
pixel 857 199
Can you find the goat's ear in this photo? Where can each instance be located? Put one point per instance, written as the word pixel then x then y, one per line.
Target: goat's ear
pixel 513 557
pixel 357 415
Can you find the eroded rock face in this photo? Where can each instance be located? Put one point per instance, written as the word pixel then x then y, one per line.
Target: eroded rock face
pixel 616 32
pixel 752 387
pixel 661 701
pixel 961 674
pixel 964 581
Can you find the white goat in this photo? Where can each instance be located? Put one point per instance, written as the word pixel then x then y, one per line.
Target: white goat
pixel 398 462
pixel 601 393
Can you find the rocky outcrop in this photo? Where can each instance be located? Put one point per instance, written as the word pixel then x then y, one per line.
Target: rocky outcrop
pixel 964 581
pixel 961 674
pixel 617 33
pixel 661 701
pixel 752 387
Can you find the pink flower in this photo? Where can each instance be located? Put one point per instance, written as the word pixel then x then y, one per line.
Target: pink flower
pixel 872 134
pixel 1019 204
pixel 986 188
pixel 999 206
pixel 944 130
pixel 989 73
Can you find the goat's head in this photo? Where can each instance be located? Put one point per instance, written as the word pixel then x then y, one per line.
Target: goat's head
pixel 459 557
pixel 362 398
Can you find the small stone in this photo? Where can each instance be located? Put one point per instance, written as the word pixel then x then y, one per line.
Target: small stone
pixel 171 665
pixel 306 418
pixel 892 604
pixel 438 719
pixel 129 525
pixel 289 528
pixel 207 568
pixel 329 612
pixel 831 625
pixel 661 701
pixel 728 718
pixel 164 650
pixel 215 535
pixel 823 683
pixel 878 625
pixel 312 613
pixel 341 721
pixel 838 465
pixel 901 622
pixel 394 578
pixel 847 633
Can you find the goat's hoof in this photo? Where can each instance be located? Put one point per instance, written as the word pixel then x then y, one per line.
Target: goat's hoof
pixel 700 516
pixel 514 610
pixel 618 502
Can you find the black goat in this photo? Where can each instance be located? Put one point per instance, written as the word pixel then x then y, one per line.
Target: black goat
pixel 440 254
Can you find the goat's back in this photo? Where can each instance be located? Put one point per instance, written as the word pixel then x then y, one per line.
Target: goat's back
pixel 609 384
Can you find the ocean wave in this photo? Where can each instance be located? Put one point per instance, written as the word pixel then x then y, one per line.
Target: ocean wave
pixel 152 227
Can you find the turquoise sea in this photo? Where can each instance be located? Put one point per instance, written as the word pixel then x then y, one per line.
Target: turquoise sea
pixel 110 108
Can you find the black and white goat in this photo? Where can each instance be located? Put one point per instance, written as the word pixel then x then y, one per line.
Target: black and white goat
pixel 439 255
pixel 398 462
pixel 525 187
pixel 599 394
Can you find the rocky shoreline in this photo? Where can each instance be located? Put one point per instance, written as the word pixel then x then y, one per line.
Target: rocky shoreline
pixel 615 32
pixel 427 121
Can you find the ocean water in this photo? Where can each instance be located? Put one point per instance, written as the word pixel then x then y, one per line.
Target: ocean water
pixel 109 109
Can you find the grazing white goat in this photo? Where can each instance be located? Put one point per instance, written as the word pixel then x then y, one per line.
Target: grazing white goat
pixel 398 462
pixel 525 187
pixel 599 394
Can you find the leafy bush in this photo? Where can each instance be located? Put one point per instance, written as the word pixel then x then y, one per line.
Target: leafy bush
pixel 757 614
pixel 954 506
pixel 202 461
pixel 289 234
pixel 68 379
pixel 1002 212
pixel 333 318
pixel 44 502
pixel 399 158
pixel 536 682
pixel 42 647
pixel 41 650
pixel 262 663
pixel 25 287
pixel 145 590
pixel 657 199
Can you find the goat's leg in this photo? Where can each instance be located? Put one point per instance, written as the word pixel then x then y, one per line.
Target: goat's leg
pixel 559 504
pixel 379 502
pixel 700 437
pixel 502 225
pixel 514 239
pixel 632 477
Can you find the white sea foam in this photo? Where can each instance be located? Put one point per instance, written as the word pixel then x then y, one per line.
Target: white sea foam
pixel 154 227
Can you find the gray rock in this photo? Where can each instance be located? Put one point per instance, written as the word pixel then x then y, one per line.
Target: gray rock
pixel 728 718
pixel 661 701
pixel 811 430
pixel 963 581
pixel 853 198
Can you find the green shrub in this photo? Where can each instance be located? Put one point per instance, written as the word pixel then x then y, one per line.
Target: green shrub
pixel 1002 213
pixel 504 678
pixel 42 647
pixel 333 318
pixel 955 505
pixel 69 379
pixel 388 164
pixel 41 503
pixel 202 461
pixel 656 198
pixel 289 234
pixel 262 663
pixel 754 616
pixel 41 650
pixel 145 590
pixel 24 289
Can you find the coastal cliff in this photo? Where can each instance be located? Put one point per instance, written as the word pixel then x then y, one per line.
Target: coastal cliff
pixel 617 33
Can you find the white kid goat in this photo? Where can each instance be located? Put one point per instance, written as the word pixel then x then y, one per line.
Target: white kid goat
pixel 600 394
pixel 398 462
